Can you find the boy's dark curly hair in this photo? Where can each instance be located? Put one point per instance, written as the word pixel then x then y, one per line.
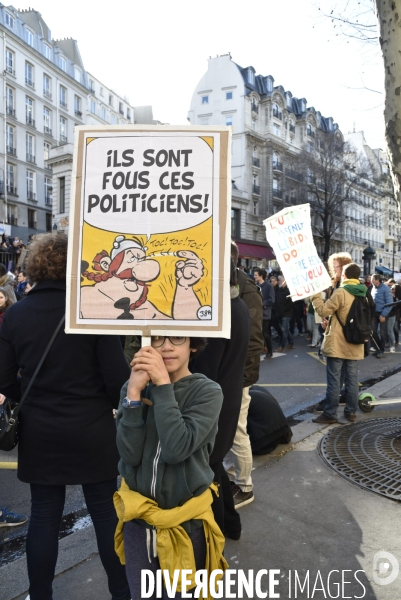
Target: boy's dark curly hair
pixel 198 344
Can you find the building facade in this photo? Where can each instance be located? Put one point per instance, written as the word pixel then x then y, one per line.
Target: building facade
pixel 46 93
pixel 271 128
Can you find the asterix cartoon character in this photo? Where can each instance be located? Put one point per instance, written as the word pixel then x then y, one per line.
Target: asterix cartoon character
pixel 121 278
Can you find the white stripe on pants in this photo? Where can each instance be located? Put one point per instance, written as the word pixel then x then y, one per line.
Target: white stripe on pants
pixel 238 461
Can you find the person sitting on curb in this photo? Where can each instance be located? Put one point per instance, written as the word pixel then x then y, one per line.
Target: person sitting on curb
pixel 340 353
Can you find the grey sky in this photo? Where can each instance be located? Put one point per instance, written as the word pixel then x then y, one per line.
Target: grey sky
pixel 156 52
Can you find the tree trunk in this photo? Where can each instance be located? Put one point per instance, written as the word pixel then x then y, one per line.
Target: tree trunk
pixel 326 251
pixel 389 18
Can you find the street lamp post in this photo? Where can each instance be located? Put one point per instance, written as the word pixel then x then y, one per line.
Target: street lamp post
pixel 369 254
pixel 396 245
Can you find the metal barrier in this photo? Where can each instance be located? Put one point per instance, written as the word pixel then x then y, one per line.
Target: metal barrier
pixel 7 257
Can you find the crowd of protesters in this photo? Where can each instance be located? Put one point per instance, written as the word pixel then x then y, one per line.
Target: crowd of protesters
pixel 188 413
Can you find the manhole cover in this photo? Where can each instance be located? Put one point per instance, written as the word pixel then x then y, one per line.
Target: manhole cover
pixel 367 454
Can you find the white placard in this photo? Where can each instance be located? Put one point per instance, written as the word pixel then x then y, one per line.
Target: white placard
pixel 289 232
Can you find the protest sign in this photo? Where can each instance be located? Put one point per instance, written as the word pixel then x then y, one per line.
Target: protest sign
pixel 150 251
pixel 289 232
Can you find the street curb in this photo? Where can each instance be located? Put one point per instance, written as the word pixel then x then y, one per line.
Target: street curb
pixel 73 550
pixel 383 387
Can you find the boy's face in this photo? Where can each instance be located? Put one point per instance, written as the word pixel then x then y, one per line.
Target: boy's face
pixel 176 358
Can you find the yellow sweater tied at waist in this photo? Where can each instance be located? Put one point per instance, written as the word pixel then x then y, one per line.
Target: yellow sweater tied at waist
pixel 174 546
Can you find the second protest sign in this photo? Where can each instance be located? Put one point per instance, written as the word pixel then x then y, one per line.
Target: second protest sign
pixel 289 232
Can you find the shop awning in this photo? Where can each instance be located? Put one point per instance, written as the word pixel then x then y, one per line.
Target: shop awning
pixel 383 270
pixel 255 251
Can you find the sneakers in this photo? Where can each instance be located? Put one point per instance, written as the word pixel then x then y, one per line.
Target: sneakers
pixel 392 349
pixel 323 420
pixel 290 347
pixel 10 519
pixel 280 349
pixel 268 356
pixel 379 354
pixel 350 417
pixel 241 498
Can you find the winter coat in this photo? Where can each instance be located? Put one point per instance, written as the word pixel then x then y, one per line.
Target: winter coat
pixel 335 345
pixel 285 305
pixel 382 295
pixel 269 298
pixel 250 294
pixel 67 429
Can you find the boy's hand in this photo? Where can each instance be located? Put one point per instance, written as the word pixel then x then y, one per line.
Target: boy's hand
pixel 136 383
pixel 149 360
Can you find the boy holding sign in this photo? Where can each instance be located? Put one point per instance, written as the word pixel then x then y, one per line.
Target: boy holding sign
pixel 164 504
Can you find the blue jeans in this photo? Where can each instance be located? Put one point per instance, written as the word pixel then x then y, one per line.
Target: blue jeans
pixel 313 328
pixel 42 538
pixel 390 331
pixel 286 335
pixel 334 369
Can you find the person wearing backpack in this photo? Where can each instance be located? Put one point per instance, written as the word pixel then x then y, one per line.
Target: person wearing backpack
pixel 343 343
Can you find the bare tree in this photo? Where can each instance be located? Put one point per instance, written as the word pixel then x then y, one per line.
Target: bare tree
pixel 327 175
pixel 355 20
pixel 352 19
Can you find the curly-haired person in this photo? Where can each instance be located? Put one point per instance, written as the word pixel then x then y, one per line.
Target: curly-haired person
pixel 335 263
pixel 66 429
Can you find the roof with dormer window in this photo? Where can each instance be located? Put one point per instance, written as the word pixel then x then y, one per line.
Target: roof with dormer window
pixel 297 106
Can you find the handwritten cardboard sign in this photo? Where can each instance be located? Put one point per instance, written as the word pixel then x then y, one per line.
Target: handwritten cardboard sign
pixel 289 232
pixel 150 224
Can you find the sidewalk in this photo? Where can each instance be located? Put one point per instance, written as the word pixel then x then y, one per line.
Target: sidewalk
pixel 305 518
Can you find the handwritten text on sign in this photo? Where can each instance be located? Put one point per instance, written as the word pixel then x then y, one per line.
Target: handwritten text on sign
pixel 289 233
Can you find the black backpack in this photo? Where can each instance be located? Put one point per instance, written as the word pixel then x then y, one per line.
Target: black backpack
pixel 357 328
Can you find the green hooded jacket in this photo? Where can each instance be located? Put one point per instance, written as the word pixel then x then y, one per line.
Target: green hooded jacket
pixel 165 448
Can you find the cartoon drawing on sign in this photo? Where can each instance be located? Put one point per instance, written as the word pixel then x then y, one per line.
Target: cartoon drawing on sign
pixel 122 281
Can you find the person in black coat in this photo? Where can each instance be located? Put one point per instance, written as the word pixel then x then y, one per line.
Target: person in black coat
pixel 67 433
pixel 223 361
